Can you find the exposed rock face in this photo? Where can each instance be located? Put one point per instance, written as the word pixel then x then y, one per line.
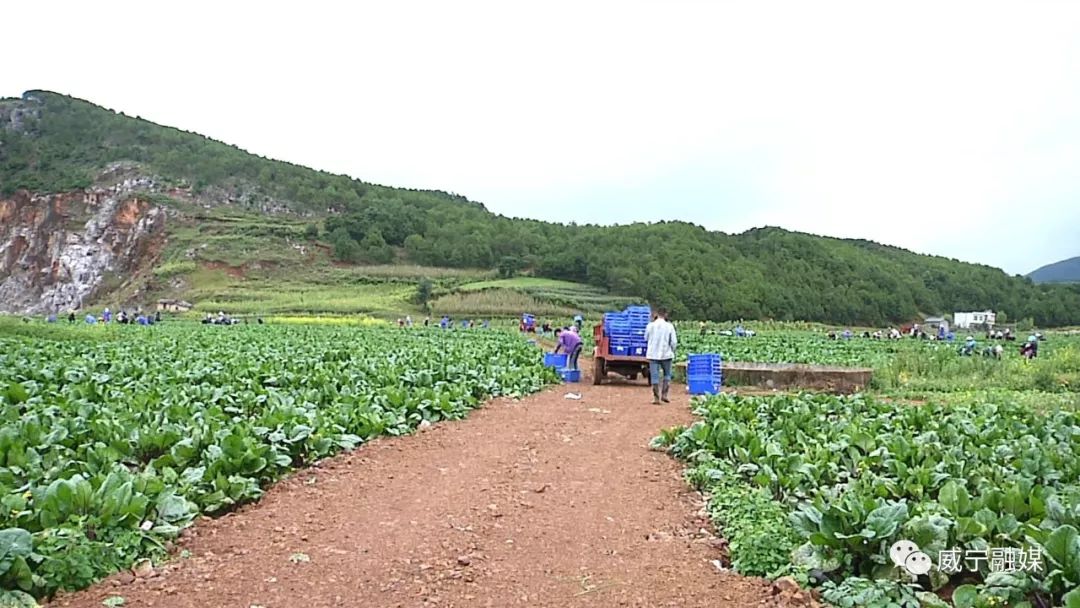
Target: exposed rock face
pixel 56 250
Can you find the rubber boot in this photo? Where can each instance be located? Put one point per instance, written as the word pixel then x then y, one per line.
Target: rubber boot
pixel 656 394
pixel 665 388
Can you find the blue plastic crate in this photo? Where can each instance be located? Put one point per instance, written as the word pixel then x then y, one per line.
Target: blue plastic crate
pixel 555 360
pixel 707 386
pixel 570 375
pixel 704 362
pixel 704 365
pixel 620 351
pixel 704 357
pixel 638 351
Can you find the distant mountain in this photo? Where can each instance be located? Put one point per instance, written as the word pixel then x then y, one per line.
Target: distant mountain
pixel 1065 271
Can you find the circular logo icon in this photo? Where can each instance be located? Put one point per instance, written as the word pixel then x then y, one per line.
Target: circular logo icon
pixel 918 563
pixel 900 551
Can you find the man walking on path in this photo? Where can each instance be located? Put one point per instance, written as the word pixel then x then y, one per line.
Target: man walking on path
pixel 661 339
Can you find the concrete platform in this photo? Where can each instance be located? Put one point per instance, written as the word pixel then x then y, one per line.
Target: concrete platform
pixel 793 376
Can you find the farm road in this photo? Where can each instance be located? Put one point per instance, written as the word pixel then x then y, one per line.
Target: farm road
pixel 545 501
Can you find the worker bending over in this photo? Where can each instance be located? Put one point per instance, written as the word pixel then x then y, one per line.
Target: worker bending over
pixel 569 343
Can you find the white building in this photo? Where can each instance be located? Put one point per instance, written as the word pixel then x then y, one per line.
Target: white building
pixel 967 320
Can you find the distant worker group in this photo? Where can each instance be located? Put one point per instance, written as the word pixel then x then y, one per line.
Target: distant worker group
pixel 122 317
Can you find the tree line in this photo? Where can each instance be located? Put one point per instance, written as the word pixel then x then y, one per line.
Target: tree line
pixel 762 273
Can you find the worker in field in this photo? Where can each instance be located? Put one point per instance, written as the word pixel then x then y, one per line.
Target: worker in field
pixel 702 328
pixel 1030 349
pixel 570 343
pixel 662 341
pixel 969 346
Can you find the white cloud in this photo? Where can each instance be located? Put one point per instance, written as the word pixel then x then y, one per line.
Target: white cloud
pixel 958 124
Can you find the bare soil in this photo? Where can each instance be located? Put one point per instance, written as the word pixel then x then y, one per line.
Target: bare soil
pixel 545 501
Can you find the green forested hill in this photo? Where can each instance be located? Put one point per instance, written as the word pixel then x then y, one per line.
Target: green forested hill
pixel 53 143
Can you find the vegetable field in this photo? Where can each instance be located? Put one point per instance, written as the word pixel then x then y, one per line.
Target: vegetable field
pixel 819 487
pixel 855 474
pixel 113 439
pixel 797 347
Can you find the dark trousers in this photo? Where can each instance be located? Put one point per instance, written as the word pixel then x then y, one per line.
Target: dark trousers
pixel 572 360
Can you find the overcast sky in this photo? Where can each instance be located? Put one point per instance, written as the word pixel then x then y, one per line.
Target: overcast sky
pixel 957 124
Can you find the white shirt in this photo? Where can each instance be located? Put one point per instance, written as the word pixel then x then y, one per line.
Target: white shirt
pixel 660 335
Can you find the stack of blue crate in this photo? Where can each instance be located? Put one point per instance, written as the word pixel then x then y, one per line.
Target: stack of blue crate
pixel 704 374
pixel 626 330
pixel 617 328
pixel 639 320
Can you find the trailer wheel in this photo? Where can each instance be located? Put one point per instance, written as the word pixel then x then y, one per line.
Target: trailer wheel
pixel 598 371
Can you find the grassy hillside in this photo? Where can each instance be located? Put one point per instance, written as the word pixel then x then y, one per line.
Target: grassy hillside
pixel 276 233
pixel 1065 271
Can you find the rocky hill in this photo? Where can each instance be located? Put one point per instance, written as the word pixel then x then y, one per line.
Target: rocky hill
pixel 101 208
pixel 59 250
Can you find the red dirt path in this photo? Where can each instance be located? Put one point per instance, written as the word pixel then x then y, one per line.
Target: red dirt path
pixel 542 502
